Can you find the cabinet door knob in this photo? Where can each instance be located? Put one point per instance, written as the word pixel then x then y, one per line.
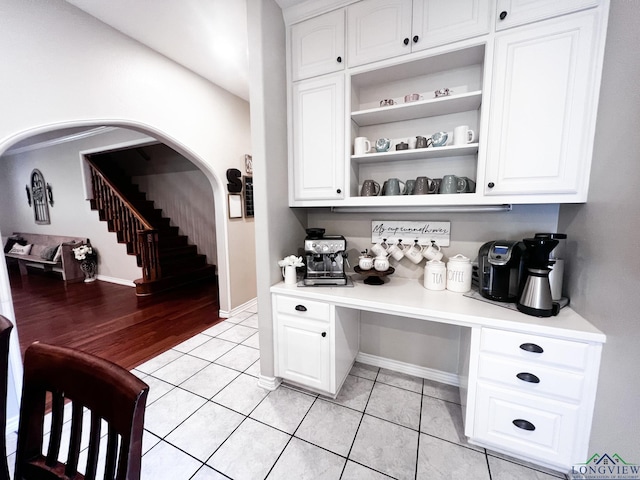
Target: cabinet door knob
pixel 528 377
pixel 524 424
pixel 491 184
pixel 531 347
pixel 338 191
pixel 324 334
pixel 416 38
pixel 301 308
pixel 503 15
pixel 406 41
pixel 339 59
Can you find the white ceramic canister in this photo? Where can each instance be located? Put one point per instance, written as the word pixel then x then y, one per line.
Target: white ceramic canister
pixel 435 275
pixel 459 274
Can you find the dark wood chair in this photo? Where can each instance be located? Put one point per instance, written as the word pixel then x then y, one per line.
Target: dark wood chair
pixel 5 332
pixel 95 387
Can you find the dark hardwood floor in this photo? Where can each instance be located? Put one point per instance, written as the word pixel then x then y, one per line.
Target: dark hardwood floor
pixel 106 319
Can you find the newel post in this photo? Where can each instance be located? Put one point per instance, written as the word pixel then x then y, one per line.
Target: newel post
pixel 148 242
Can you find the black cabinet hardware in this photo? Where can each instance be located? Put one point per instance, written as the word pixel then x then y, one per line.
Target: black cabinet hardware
pixel 524 424
pixel 491 184
pixel 503 15
pixel 339 59
pixel 324 334
pixel 528 377
pixel 531 347
pixel 301 308
pixel 416 38
pixel 406 41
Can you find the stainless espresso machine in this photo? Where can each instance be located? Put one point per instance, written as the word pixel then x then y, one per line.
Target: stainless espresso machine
pixel 325 257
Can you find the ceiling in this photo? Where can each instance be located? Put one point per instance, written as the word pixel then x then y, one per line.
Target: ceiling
pixel 208 37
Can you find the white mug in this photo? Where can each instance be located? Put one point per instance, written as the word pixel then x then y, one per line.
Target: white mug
pixel 414 253
pixel 380 248
pixel 432 252
pixel 396 251
pixel 459 274
pixel 361 145
pixel 435 275
pixel 463 135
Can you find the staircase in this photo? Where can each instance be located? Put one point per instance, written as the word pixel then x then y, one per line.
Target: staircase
pixel 167 259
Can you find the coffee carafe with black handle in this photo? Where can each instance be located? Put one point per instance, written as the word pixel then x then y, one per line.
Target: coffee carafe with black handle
pixel 535 298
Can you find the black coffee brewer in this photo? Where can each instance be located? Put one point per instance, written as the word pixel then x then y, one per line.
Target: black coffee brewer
pixel 535 298
pixel 501 270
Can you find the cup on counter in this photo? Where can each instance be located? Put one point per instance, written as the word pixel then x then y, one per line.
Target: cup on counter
pixel 370 188
pixel 432 252
pixel 361 145
pixel 435 275
pixel 463 135
pixel 414 253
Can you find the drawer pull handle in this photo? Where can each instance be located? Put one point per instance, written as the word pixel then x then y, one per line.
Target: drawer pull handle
pixel 531 347
pixel 528 377
pixel 324 334
pixel 301 308
pixel 524 424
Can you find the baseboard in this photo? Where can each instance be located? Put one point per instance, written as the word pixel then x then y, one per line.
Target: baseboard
pixel 269 383
pixel 409 369
pixel 235 311
pixel 118 281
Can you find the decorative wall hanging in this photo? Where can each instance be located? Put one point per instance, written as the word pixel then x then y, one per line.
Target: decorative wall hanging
pixel 234 176
pixel 248 164
pixel 248 196
pixel 40 196
pixel 235 205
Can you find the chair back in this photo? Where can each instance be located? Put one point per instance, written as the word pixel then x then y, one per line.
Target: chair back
pixel 5 333
pixel 98 394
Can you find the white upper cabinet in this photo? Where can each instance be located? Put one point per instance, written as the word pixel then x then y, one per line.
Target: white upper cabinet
pixel 438 22
pixel 511 13
pixel 543 106
pixel 318 138
pixel 317 46
pixel 379 29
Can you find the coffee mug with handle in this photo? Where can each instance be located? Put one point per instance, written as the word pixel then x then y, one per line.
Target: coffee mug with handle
pixel 452 184
pixel 370 188
pixel 396 250
pixel 380 248
pixel 414 253
pixel 432 252
pixel 424 186
pixel 463 135
pixel 361 145
pixel 393 187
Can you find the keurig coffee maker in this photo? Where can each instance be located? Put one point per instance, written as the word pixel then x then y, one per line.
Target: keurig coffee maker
pixel 501 270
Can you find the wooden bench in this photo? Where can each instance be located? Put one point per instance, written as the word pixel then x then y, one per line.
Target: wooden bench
pixel 67 265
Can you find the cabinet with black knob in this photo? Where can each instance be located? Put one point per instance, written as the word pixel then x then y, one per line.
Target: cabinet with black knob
pixel 511 13
pixel 315 343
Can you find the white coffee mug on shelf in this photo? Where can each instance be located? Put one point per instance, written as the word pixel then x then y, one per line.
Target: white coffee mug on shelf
pixel 414 253
pixel 463 135
pixel 396 251
pixel 432 252
pixel 380 248
pixel 361 145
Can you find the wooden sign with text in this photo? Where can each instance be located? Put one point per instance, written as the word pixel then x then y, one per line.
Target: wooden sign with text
pixel 408 232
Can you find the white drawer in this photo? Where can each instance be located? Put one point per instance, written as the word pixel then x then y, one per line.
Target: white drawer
pixel 535 348
pixel 547 428
pixel 303 308
pixel 529 377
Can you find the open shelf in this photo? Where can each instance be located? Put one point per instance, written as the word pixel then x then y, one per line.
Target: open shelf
pixel 423 108
pixel 417 154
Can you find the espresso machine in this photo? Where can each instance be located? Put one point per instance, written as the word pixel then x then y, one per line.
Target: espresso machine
pixel 325 258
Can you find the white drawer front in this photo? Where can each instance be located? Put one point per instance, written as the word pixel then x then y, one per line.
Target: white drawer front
pixel 554 424
pixel 529 377
pixel 303 308
pixel 553 351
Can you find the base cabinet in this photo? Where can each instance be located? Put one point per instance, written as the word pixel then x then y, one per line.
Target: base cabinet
pixel 534 396
pixel 315 343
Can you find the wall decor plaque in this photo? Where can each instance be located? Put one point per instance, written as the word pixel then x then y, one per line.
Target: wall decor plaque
pixel 425 232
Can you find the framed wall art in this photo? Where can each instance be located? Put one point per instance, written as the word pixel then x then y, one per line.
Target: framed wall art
pixel 248 196
pixel 234 201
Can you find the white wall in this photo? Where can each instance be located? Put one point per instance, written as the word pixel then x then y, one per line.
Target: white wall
pixel 68 69
pixel 70 214
pixel 603 268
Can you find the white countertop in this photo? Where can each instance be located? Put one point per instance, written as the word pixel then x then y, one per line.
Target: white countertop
pixel 408 298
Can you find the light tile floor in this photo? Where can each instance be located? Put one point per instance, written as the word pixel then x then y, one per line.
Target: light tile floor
pixel 207 418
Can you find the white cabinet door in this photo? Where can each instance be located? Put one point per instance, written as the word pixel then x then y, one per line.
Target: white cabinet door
pixel 304 351
pixel 378 29
pixel 511 13
pixel 543 100
pixel 437 22
pixel 317 130
pixel 317 45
